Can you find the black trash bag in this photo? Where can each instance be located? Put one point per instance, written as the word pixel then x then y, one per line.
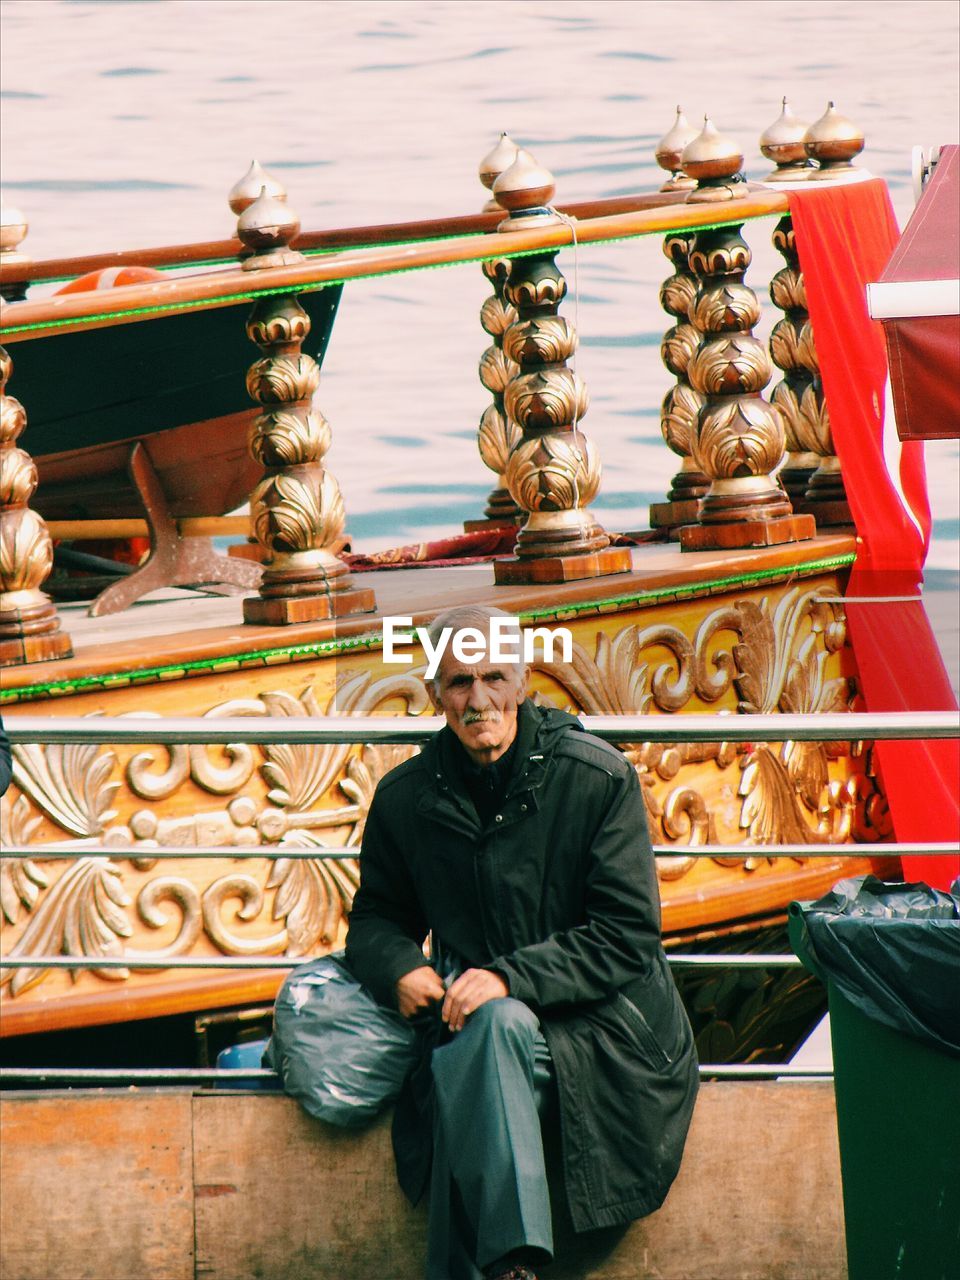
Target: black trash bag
pixel 339 1053
pixel 893 950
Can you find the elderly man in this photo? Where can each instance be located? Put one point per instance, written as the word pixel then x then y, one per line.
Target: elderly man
pixel 519 844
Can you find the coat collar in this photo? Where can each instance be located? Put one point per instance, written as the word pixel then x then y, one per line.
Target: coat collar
pixel 443 797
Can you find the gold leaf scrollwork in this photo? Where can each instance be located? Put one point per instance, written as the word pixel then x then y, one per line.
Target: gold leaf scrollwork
pixel 546 399
pixel 731 307
pixel 13 416
pixel 20 878
pixel 281 379
pixel 278 320
pixel 496 369
pixel 677 294
pixel 678 418
pixel 787 289
pixel 81 915
pixel 69 783
pixel 298 511
pixel 742 437
pixel 26 550
pixel 679 346
pixel 540 340
pixel 733 366
pixel 18 477
pixel 283 438
pixel 540 284
pixel 554 473
pixel 496 316
pixel 497 436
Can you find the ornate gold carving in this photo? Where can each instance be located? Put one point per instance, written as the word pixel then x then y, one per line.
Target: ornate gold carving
pixel 740 436
pixel 681 405
pixel 797 397
pixel 497 434
pixel 69 783
pixel 775 660
pixel 552 468
pixel 29 626
pixel 297 508
pixel 86 910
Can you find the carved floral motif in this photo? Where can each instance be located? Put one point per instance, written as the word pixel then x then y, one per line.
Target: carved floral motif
pixel 752 656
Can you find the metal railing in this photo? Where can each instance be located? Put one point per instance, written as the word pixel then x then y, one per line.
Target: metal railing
pixel 133 730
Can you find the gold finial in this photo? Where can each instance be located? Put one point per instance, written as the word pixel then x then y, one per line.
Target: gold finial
pixel 782 142
pixel 267 226
pixel 525 188
pixel 669 153
pixel 714 160
pixel 13 231
pixel 833 140
pixel 256 179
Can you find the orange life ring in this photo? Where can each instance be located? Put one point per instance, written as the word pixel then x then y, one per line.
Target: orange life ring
pixel 110 278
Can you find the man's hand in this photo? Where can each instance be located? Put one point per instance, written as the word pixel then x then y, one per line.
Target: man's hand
pixel 472 989
pixel 418 989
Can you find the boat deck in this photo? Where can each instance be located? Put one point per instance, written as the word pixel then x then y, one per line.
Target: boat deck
pixel 191 626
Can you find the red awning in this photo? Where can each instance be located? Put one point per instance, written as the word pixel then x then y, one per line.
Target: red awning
pixel 918 301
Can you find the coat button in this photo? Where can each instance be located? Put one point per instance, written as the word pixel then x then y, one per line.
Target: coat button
pixel 498 818
pixel 523 808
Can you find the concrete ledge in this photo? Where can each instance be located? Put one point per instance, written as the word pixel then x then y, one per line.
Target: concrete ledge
pixel 174 1185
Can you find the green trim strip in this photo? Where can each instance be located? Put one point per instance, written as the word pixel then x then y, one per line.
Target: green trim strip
pixel 252 294
pixel 365 643
pixel 307 253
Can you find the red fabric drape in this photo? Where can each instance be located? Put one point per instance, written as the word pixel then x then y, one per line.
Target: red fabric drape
pixel 845 236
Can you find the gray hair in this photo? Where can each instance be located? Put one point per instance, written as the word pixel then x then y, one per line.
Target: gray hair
pixel 469 615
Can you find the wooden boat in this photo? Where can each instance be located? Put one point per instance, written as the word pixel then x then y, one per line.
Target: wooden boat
pixel 733 602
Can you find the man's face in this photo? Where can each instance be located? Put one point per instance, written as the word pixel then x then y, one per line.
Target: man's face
pixel 480 701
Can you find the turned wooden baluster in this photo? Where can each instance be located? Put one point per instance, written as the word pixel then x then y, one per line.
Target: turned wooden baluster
pixel 681 405
pixel 740 436
pixel 497 434
pixel 833 141
pixel 796 396
pixel 553 472
pixel 29 625
pixel 297 508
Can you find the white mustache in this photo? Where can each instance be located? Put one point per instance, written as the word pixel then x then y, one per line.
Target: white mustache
pixel 481 717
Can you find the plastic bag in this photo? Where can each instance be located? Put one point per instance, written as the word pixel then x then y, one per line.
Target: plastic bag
pixel 339 1053
pixel 893 950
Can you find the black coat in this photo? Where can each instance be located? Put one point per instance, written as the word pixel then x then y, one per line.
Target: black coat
pixel 558 894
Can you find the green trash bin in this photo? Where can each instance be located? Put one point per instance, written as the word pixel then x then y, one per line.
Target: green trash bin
pixel 897 1095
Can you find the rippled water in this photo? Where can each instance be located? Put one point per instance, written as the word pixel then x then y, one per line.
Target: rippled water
pixel 127 123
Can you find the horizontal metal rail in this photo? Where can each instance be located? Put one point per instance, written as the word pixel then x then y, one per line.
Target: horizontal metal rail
pixel 238 1076
pixel 337 853
pixel 141 961
pixel 134 730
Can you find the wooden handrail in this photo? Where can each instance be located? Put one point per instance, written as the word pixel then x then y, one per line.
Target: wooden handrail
pixel 223 288
pixel 185 255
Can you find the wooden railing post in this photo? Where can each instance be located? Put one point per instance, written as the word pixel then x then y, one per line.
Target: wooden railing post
pixel 681 404
pixel 497 434
pixel 553 472
pixel 29 624
pixel 297 508
pixel 833 141
pixel 740 436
